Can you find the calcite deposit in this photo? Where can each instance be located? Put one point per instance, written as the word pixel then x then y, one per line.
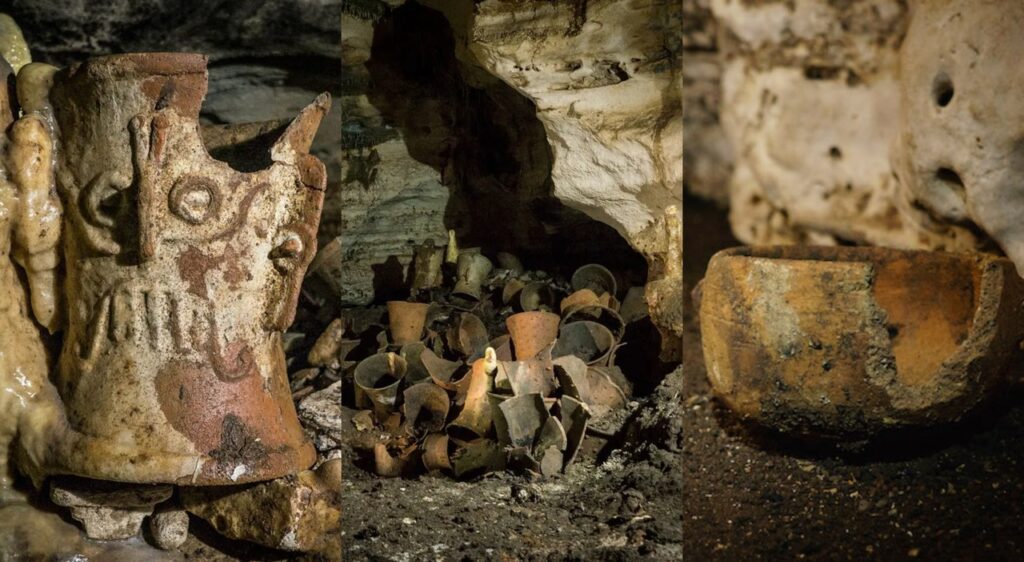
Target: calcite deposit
pixel 30 217
pixel 960 149
pixel 866 122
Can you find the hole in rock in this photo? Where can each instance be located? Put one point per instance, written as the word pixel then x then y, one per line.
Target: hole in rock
pixel 942 89
pixel 950 177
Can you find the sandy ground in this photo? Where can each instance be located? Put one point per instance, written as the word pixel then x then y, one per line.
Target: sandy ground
pixel 618 501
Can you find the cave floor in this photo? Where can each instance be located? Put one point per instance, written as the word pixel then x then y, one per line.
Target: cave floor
pixel 954 494
pixel 578 515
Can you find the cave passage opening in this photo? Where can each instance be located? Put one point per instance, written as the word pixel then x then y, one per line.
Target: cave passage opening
pixel 485 140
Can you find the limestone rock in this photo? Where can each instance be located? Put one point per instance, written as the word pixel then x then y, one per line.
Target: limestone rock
pixel 606 83
pixel 169 528
pixel 961 141
pixel 295 513
pixel 320 414
pixel 810 104
pixel 707 161
pixel 108 511
pixel 662 244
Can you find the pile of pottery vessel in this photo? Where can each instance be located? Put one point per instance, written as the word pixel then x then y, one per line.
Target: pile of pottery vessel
pixel 504 370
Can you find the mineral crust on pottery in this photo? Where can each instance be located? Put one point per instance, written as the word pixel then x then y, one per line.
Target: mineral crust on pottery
pixel 182 270
pixel 844 342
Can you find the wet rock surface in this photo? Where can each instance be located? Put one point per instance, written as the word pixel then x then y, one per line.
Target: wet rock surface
pixel 955 493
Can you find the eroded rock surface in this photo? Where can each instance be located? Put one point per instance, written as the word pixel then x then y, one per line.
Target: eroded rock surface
pixel 838 119
pixel 551 130
pixel 294 513
pixel 960 153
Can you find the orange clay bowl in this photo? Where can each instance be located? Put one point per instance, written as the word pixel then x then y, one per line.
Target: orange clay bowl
pixel 845 342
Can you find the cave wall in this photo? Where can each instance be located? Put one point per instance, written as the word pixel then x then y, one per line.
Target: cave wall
pixel 549 129
pixel 809 104
pixel 605 78
pixel 436 140
pixel 268 58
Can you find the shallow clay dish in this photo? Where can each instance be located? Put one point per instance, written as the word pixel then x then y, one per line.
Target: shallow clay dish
pixel 848 341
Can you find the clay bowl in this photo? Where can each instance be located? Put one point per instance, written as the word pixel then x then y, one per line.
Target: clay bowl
pixel 590 341
pixel 845 342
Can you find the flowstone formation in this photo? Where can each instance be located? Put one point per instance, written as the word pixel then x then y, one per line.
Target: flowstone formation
pixel 182 249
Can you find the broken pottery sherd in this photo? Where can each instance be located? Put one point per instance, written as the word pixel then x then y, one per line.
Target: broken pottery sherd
pixel 425 406
pixel 583 297
pixel 475 418
pixel 533 376
pixel 595 277
pixel 412 353
pixel 471 272
pixel 552 460
pixel 468 336
pixel 502 347
pixel 590 385
pixel 510 292
pixel 476 457
pixel 634 307
pixel 392 461
pixel 182 270
pixel 602 314
pixel 449 375
pixel 406 321
pixel 531 332
pixel 437 452
pixel 500 423
pixel 525 416
pixel 845 342
pixel 552 434
pixel 426 266
pixel 379 377
pixel 537 295
pixel 575 416
pixel 590 341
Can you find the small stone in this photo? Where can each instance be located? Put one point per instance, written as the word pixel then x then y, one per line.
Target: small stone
pixel 110 523
pixel 632 503
pixel 329 473
pixel 320 412
pixel 108 510
pixel 298 513
pixel 169 528
pixel 325 352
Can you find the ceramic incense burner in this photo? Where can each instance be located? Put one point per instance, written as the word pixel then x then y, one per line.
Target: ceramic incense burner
pixel 182 270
